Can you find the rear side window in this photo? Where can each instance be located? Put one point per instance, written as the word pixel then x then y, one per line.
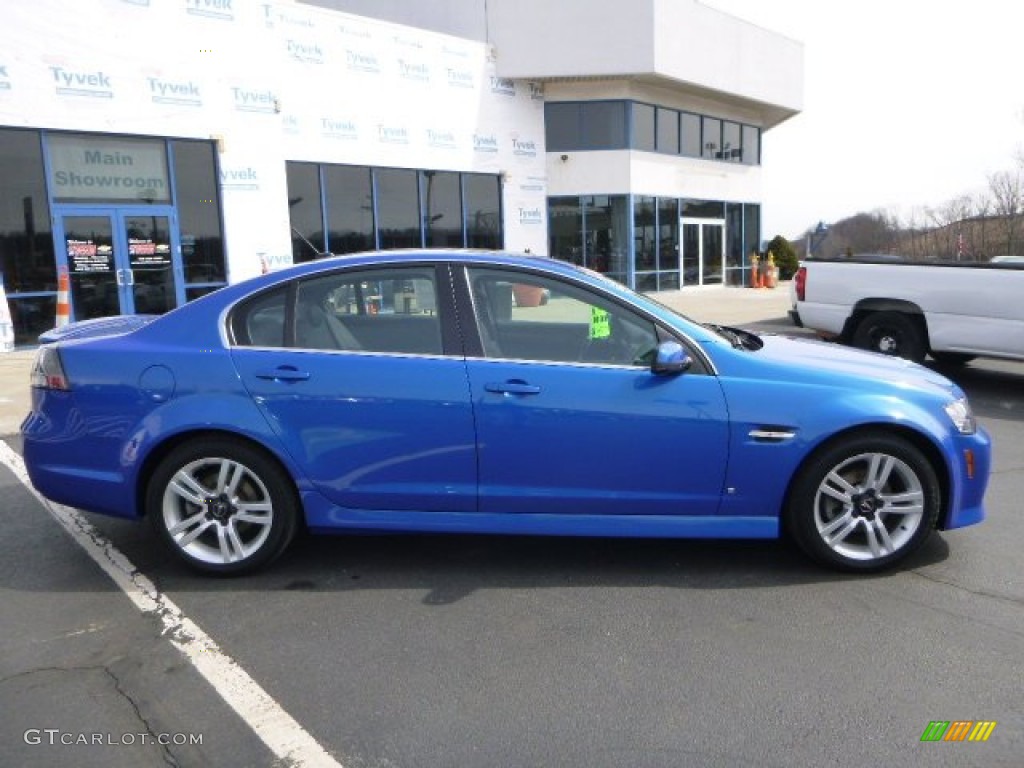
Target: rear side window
pixel 390 310
pixel 259 322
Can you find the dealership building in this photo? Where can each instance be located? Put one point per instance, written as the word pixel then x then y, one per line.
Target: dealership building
pixel 155 150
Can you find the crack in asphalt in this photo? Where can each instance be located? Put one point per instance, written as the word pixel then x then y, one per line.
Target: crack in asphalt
pixel 165 752
pixel 978 592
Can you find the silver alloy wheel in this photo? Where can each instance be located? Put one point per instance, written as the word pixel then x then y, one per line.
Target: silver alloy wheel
pixel 869 506
pixel 217 511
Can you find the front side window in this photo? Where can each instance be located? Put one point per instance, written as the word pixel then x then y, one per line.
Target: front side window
pixel 382 310
pixel 522 316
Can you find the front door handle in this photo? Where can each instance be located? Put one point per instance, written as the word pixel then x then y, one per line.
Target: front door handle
pixel 514 387
pixel 283 373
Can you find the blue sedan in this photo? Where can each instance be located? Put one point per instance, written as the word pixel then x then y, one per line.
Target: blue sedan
pixel 456 391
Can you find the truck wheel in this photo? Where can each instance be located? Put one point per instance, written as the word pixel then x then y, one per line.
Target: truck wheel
pixel 891 333
pixel 953 358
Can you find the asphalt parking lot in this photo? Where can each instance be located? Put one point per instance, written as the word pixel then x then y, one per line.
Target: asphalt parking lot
pixel 473 651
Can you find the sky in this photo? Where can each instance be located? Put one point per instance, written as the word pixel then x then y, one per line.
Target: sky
pixel 907 104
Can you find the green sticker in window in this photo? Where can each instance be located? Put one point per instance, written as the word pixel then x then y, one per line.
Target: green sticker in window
pixel 600 324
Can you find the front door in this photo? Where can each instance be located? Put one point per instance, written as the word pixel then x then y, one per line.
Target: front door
pixel 703 246
pixel 571 420
pixel 120 260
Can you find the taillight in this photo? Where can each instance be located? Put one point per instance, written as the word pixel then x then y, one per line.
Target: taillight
pixel 800 279
pixel 47 371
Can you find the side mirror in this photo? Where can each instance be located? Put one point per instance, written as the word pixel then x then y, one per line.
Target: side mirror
pixel 671 359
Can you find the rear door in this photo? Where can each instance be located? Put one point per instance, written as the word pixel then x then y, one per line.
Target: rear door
pixel 360 373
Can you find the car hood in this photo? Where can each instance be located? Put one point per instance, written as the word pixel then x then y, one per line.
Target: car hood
pixel 831 360
pixel 98 326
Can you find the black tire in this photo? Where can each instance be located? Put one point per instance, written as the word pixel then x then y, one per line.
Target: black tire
pixel 223 506
pixel 883 507
pixel 952 358
pixel 891 333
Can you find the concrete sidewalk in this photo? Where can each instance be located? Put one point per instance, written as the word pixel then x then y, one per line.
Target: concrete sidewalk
pixel 764 308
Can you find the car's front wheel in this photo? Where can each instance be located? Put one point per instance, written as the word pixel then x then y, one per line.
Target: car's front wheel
pixel 222 506
pixel 864 503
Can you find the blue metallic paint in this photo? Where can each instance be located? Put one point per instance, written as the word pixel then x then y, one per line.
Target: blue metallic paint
pixel 685 464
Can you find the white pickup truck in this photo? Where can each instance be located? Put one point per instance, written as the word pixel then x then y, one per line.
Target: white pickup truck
pixel 952 311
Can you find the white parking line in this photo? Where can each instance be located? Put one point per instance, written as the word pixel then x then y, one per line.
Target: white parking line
pixel 288 740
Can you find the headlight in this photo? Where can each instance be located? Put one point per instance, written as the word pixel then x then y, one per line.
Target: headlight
pixel 960 413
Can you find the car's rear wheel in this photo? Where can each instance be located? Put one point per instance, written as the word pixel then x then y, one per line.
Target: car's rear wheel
pixel 221 505
pixel 891 333
pixel 864 503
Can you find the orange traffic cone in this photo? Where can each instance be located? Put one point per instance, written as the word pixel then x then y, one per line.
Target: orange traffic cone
pixel 63 304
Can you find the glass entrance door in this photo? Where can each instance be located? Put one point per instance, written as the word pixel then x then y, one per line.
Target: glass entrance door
pixel 120 260
pixel 703 246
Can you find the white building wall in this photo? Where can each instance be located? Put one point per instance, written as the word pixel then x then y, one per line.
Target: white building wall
pixel 647 173
pixel 682 43
pixel 275 82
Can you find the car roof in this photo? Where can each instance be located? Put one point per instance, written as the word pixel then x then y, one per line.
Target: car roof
pixel 412 255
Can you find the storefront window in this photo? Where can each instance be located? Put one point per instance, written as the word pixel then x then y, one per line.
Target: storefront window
pixel 202 238
pixel 668 131
pixel 734 255
pixel 398 208
pixel 349 196
pixel 644 239
pixel 690 134
pixel 26 240
pixel 751 229
pixel 668 244
pixel 613 125
pixel 751 145
pixel 643 127
pixel 606 235
pixel 604 125
pixel 442 209
pixel 711 138
pixel 100 169
pixel 305 212
pixel 731 150
pixel 565 229
pixel 482 193
pixel 562 126
pixel 702 209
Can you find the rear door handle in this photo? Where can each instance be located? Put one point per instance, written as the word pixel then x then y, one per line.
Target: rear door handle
pixel 284 373
pixel 512 388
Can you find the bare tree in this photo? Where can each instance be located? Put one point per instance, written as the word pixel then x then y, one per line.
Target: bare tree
pixel 1007 190
pixel 981 212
